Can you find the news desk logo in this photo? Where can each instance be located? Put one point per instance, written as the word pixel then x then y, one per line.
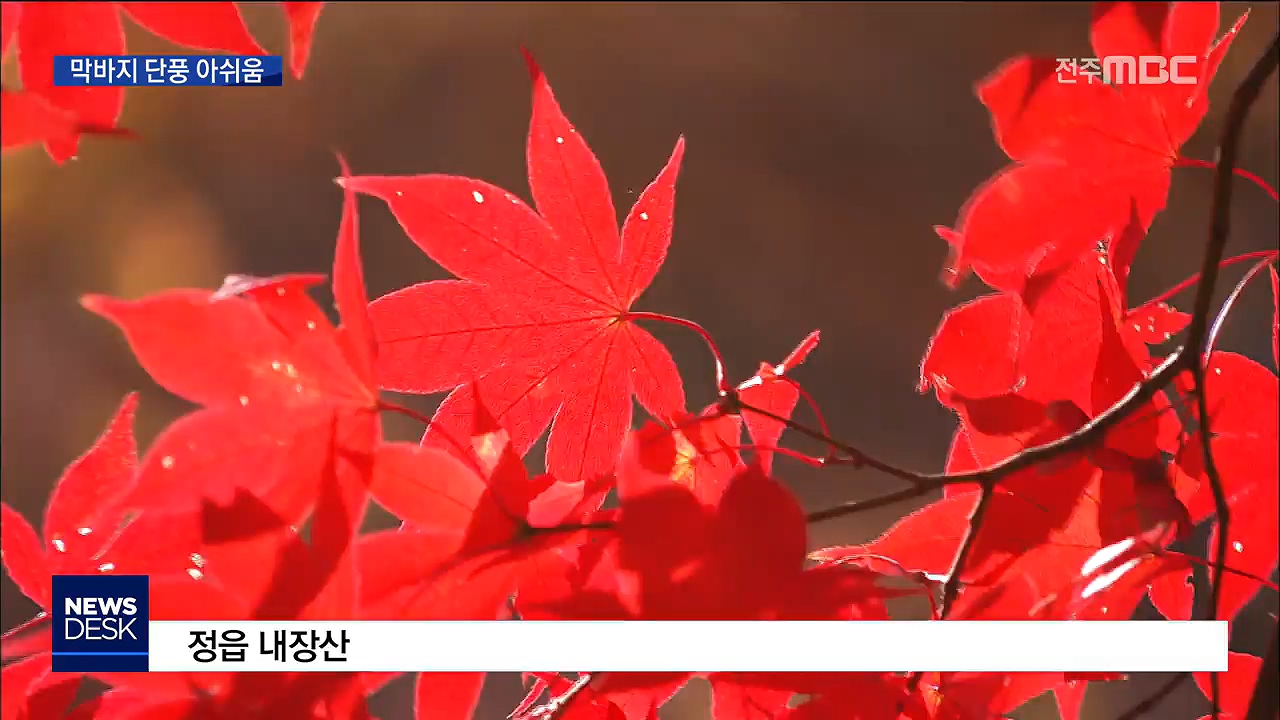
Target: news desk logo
pixel 1130 70
pixel 100 623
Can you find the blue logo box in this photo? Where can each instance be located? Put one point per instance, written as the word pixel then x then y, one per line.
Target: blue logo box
pixel 100 623
pixel 168 70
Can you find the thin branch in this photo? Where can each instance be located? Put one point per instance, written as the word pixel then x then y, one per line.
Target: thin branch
pixel 1219 230
pixel 559 703
pixel 1208 564
pixel 813 405
pixel 857 457
pixel 464 453
pixel 385 406
pixel 861 506
pixel 952 589
pixel 1244 257
pixel 722 379
pixel 924 483
pixel 1155 698
pixel 1229 303
pixel 1265 703
pixel 1239 172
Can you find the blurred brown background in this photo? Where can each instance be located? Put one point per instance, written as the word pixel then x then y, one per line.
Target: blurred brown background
pixel 824 140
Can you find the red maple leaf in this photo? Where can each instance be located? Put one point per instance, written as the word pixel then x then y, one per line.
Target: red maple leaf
pixel 589 703
pixel 44 29
pixel 541 312
pixel 29 690
pixel 289 396
pixel 88 531
pixel 301 696
pixel 1090 157
pixel 1243 673
pixel 737 555
pixel 476 535
pixel 851 696
pixel 999 362
pixel 81 515
pixel 1244 402
pixel 302 17
pixel 475 531
pixel 1027 563
pixel 771 390
pixel 698 452
pixel 29 118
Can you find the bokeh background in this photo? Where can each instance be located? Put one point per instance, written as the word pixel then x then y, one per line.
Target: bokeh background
pixel 824 141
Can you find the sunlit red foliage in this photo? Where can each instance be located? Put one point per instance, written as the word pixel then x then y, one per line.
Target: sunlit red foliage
pixel 537 330
pixel 58 116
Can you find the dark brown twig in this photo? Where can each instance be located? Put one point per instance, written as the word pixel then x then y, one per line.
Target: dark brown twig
pixel 1155 698
pixel 559 703
pixel 1219 230
pixel 923 483
pixel 976 518
pixel 1265 703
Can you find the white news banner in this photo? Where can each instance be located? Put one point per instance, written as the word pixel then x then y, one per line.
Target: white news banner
pixel 639 646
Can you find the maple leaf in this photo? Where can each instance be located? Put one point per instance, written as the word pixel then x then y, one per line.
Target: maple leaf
pixel 475 534
pixel 852 696
pixel 1038 536
pixel 999 363
pixel 1056 578
pixel 737 555
pixel 1089 157
pixel 302 17
pixel 441 696
pixel 589 702
pixel 771 390
pixel 29 118
pixel 1157 322
pixel 474 530
pixel 292 396
pixel 45 29
pixel 304 696
pixel 741 701
pixel 540 314
pixel 87 530
pixel 29 690
pixel 699 452
pixel 1244 401
pixel 81 516
pixel 1236 684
